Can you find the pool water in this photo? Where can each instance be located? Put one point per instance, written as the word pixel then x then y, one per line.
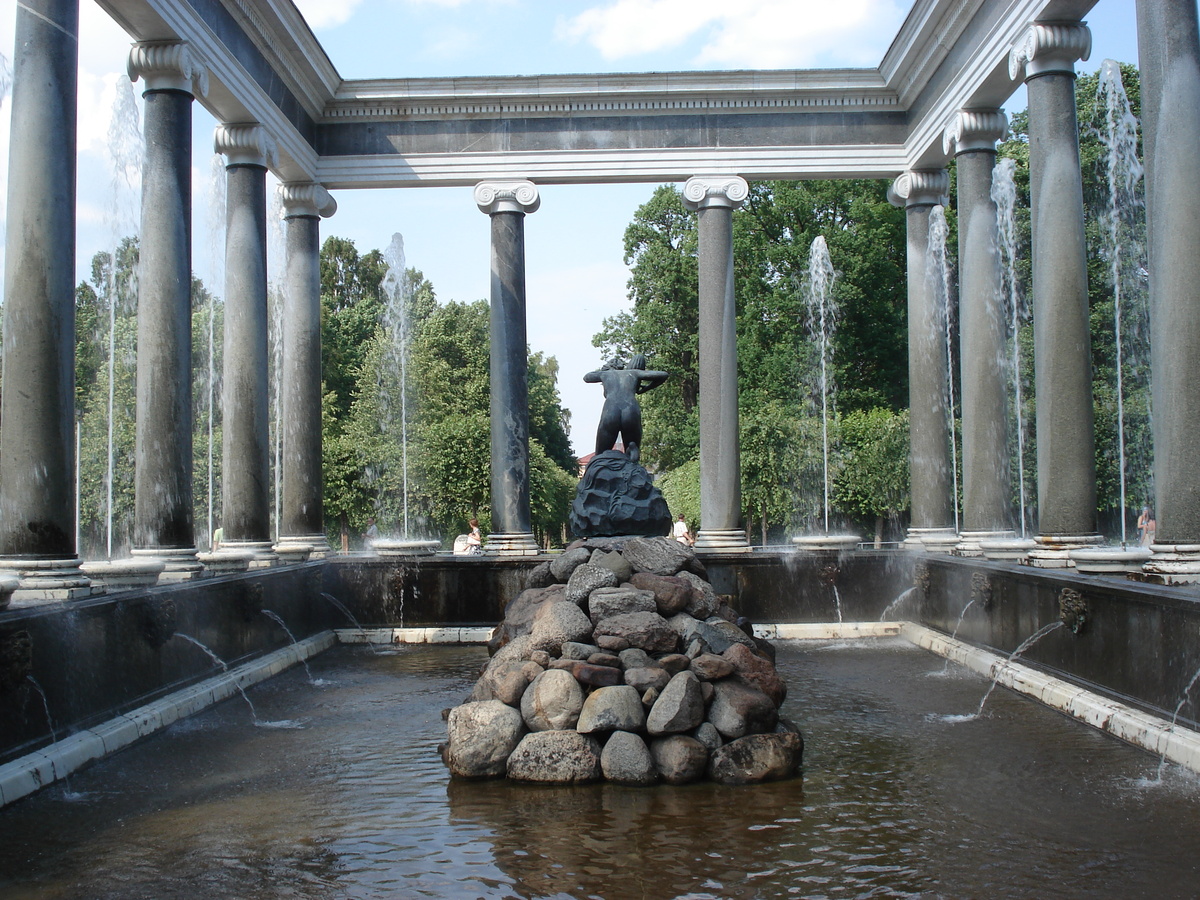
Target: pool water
pixel 345 797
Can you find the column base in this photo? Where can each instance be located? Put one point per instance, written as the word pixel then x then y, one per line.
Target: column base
pixel 721 540
pixel 1012 549
pixel 931 540
pixel 262 553
pixel 1053 551
pixel 46 580
pixel 180 563
pixel 318 544
pixel 225 562
pixel 1173 564
pixel 112 575
pixel 511 544
pixel 970 543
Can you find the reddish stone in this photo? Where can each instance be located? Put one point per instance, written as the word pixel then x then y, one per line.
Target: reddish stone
pixel 756 672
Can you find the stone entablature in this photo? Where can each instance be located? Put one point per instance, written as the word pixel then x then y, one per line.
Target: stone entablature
pixel 606 95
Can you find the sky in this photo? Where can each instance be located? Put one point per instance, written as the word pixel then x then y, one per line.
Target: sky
pixel 575 273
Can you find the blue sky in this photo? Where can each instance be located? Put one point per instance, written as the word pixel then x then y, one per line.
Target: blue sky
pixel 575 272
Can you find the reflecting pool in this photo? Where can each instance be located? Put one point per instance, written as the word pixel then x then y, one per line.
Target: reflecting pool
pixel 346 798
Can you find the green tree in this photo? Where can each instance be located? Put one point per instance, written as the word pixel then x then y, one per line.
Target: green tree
pixel 872 478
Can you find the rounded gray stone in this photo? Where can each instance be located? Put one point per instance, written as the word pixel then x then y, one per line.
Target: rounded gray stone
pixel 617 708
pixel 552 702
pixel 738 710
pixel 757 758
pixel 627 760
pixel 647 630
pixel 557 623
pixel 680 759
pixel 606 602
pixel 481 738
pixel 555 757
pixel 679 708
pixel 563 566
pixel 587 578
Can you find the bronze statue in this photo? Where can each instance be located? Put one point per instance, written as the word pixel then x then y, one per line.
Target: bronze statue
pixel 622 414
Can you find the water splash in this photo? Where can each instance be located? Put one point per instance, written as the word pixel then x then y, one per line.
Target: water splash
pixel 1121 222
pixel 224 668
pixel 1183 699
pixel 822 317
pixel 5 79
pixel 274 617
pixel 345 610
pixel 1024 645
pixel 941 279
pixel 1004 195
pixel 895 604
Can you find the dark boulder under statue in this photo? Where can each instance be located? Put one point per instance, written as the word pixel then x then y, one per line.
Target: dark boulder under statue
pixel 616 495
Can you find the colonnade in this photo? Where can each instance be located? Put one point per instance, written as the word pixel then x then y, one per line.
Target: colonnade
pixel 36 443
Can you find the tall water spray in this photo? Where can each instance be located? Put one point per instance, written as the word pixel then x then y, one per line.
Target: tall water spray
pixel 1120 223
pixel 941 278
pixel 822 321
pixel 276 251
pixel 396 291
pixel 126 154
pixel 1004 194
pixel 216 252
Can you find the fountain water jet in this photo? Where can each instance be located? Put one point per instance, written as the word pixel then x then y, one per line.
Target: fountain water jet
pixel 1121 222
pixel 822 316
pixel 397 294
pixel 940 275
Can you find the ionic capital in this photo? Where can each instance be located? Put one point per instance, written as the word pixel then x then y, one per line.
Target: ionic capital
pixel 920 187
pixel 507 196
pixel 167 66
pixel 715 191
pixel 306 198
pixel 1050 47
pixel 245 145
pixel 975 129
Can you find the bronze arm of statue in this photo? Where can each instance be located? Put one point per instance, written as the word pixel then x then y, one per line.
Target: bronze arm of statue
pixel 622 414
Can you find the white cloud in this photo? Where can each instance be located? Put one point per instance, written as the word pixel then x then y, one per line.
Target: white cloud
pixel 327 13
pixel 750 34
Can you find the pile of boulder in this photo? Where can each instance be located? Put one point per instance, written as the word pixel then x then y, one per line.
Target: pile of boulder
pixel 621 662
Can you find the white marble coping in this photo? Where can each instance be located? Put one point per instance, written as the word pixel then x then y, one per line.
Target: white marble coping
pixel 35 770
pixel 436 634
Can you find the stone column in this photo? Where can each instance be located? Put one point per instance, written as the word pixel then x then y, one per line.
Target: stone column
pixel 508 202
pixel 1066 454
pixel 983 333
pixel 714 198
pixel 246 457
pixel 1169 58
pixel 163 524
pixel 303 515
pixel 37 444
pixel 931 484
